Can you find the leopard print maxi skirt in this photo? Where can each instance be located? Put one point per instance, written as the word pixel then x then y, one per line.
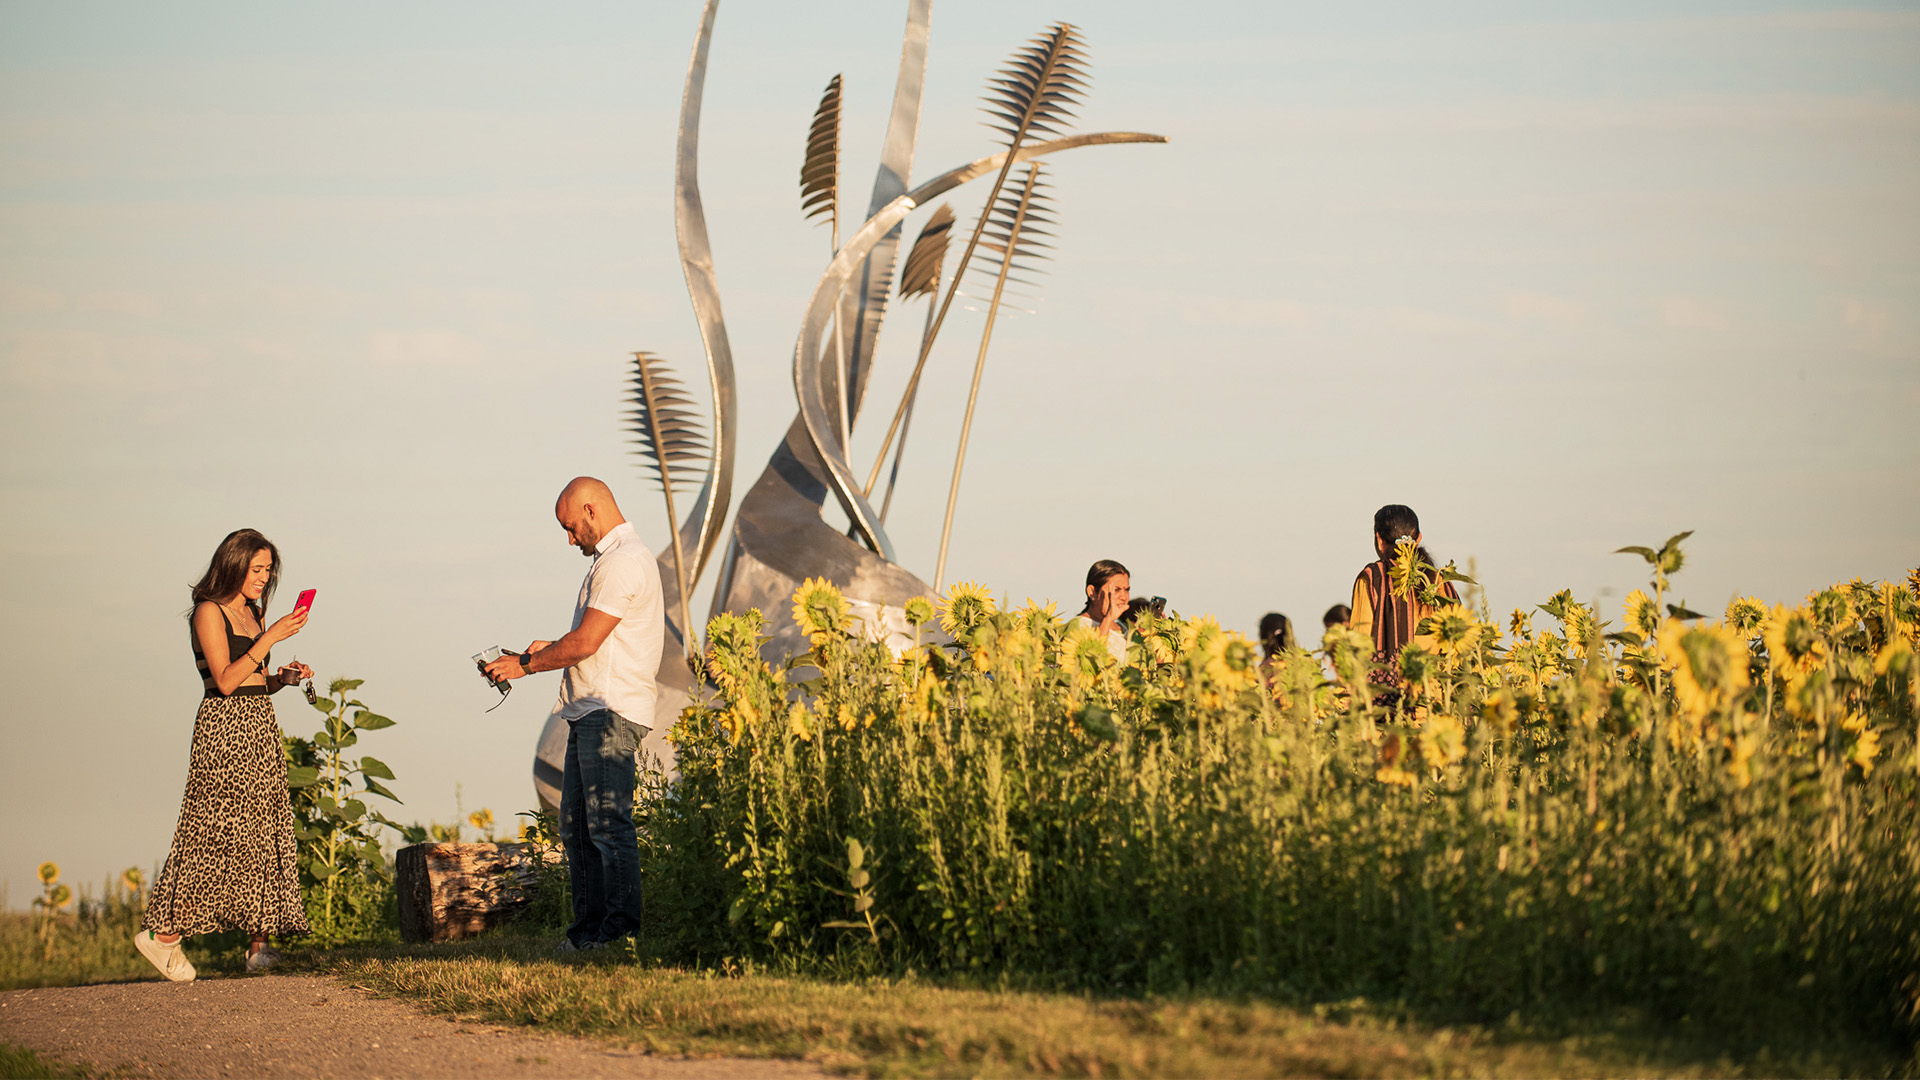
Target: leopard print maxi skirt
pixel 233 865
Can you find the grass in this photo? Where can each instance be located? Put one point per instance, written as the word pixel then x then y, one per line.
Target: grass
pixel 916 1027
pixel 87 951
pixel 20 1063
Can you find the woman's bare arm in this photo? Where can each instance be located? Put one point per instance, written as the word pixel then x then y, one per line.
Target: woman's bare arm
pixel 229 672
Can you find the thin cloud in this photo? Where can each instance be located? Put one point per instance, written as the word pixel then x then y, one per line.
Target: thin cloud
pixel 1687 313
pixel 422 348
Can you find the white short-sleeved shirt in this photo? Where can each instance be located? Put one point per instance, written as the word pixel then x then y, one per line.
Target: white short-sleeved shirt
pixel 624 582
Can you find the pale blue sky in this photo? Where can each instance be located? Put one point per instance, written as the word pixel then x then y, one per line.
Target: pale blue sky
pixel 1563 277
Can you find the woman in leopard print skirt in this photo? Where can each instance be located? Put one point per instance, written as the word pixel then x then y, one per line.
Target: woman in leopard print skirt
pixel 233 865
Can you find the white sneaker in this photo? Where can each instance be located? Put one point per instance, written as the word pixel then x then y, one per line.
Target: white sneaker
pixel 262 960
pixel 171 961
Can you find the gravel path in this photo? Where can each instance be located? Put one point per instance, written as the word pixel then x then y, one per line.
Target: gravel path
pixel 311 1026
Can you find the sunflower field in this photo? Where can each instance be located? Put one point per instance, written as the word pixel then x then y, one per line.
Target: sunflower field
pixel 1708 821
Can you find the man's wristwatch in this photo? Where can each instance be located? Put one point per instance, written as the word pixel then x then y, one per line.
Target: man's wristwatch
pixel 526 661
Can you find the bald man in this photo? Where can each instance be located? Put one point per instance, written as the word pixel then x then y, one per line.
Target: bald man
pixel 606 696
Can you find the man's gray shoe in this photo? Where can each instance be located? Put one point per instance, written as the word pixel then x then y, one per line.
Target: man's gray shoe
pixel 567 947
pixel 262 959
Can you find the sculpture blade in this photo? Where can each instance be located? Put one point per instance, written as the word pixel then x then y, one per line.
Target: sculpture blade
pixel 820 167
pixel 864 307
pixel 701 532
pixel 921 276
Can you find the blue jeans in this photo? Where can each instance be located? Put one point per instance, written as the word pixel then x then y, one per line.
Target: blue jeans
pixel 596 827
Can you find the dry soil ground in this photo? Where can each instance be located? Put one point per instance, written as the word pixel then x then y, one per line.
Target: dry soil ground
pixel 310 1026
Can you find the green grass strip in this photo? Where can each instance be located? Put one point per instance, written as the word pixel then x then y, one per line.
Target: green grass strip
pixel 911 1027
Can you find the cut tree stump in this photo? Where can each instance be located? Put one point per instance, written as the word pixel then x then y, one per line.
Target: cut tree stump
pixel 453 891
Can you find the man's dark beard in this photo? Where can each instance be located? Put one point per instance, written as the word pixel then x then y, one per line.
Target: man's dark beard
pixel 587 539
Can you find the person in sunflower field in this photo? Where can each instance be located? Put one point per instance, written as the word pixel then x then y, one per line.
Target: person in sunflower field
pixel 611 657
pixel 233 864
pixel 1390 619
pixel 1109 587
pixel 1337 615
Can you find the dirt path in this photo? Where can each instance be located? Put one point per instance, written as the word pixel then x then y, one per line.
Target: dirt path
pixel 311 1026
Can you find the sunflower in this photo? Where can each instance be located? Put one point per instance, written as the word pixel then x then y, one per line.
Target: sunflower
pixel 1795 648
pixel 1740 751
pixel 966 606
pixel 1443 739
pixel 1084 652
pixel 1392 752
pixel 1579 625
pixel 1350 652
pixel 49 873
pixel 1501 710
pixel 1709 666
pixel 1416 665
pixel 1900 609
pixel 1832 610
pixel 1196 632
pixel 1232 665
pixel 740 716
pixel 1016 651
pixel 820 610
pixel 928 701
pixel 920 611
pixel 1747 615
pixel 1455 632
pixel 1406 565
pixel 1898 659
pixel 1643 621
pixel 133 879
pixel 1865 748
pixel 799 723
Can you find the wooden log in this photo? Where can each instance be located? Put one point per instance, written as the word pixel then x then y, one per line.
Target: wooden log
pixel 453 891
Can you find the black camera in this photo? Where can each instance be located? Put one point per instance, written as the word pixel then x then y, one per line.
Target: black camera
pixel 482 659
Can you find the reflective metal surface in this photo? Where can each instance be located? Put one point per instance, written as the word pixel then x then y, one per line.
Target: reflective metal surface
pixel 864 308
pixel 701 533
pixel 1013 234
pixel 828 456
pixel 779 536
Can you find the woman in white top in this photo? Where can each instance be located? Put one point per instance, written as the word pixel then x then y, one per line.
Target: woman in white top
pixel 1109 587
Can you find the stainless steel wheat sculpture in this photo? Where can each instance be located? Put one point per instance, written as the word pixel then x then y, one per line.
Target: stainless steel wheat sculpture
pixel 667 432
pixel 921 277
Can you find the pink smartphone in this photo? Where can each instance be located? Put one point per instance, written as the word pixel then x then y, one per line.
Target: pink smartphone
pixel 305 601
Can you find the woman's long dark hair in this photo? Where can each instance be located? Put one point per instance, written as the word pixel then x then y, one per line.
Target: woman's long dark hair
pixel 1276 633
pixel 227 571
pixel 1099 574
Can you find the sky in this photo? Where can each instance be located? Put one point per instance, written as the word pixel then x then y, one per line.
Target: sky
pixel 1563 277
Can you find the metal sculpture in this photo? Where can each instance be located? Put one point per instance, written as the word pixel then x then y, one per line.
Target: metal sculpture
pixel 1013 216
pixel 701 531
pixel 920 278
pixel 668 436
pixel 780 536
